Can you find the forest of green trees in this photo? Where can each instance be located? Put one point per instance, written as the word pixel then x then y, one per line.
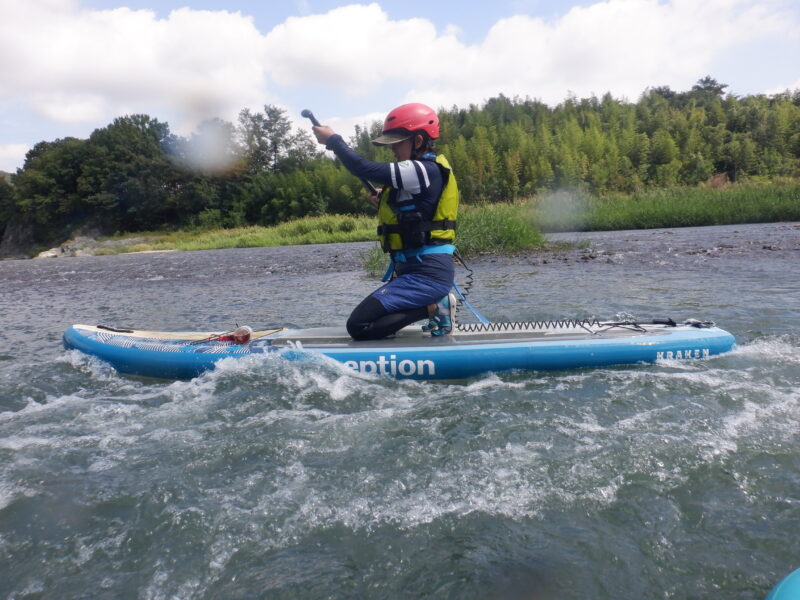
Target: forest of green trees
pixel 135 175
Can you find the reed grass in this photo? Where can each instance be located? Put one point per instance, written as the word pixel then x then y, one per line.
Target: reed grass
pixel 672 207
pixel 497 228
pixel 375 261
pixel 510 227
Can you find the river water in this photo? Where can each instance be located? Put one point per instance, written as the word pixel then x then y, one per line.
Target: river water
pixel 273 479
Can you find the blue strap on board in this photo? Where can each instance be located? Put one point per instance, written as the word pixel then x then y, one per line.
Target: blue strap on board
pixel 478 315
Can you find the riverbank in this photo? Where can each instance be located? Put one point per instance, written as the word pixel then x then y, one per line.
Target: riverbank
pixel 489 227
pixel 667 249
pixel 509 227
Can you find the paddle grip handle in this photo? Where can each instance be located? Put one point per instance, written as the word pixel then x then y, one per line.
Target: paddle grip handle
pixel 310 116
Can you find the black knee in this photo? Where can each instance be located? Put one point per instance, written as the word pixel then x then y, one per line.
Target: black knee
pixel 361 324
pixel 360 331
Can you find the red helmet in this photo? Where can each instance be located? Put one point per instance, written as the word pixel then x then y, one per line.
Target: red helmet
pixel 410 117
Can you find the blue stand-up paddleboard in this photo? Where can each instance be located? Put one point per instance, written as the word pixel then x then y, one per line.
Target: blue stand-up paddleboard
pixel 788 588
pixel 411 354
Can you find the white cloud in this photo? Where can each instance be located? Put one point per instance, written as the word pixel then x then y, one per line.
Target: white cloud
pixel 12 156
pixel 69 107
pixel 79 65
pixel 347 125
pixel 352 48
pixel 72 64
pixel 622 46
pixel 779 89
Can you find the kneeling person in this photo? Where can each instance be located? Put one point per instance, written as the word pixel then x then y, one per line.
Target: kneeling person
pixel 417 210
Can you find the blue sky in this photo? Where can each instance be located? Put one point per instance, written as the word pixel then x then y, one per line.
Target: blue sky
pixel 70 66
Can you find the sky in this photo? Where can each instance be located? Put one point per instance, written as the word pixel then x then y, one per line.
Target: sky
pixel 68 67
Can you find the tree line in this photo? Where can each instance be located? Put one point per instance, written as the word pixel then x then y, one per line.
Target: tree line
pixel 135 175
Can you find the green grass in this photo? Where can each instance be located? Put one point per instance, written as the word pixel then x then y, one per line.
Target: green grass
pixel 497 228
pixel 672 207
pixel 309 230
pixel 375 260
pixel 512 227
pixel 491 227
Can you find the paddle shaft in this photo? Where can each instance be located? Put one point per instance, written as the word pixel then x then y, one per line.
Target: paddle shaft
pixel 310 116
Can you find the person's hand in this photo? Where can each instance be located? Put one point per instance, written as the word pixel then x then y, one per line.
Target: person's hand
pixel 322 133
pixel 375 198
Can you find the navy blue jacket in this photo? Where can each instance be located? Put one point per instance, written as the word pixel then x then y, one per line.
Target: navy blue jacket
pixel 418 183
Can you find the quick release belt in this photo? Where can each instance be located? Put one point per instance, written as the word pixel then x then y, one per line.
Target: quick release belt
pixel 418 227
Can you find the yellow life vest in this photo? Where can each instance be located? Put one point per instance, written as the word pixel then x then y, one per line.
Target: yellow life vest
pixel 395 236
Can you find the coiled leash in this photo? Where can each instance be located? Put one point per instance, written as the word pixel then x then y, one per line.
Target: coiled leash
pixel 462 295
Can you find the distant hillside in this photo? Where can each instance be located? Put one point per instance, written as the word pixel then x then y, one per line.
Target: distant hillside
pixel 6 176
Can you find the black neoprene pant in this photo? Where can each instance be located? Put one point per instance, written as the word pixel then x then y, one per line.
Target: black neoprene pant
pixel 371 321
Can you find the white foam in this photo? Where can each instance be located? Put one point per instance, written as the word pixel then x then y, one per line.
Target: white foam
pixel 512 480
pixel 17 443
pixel 10 492
pixel 491 382
pixel 783 349
pixel 585 450
pixel 102 464
pixel 93 366
pixel 34 587
pixel 778 412
pixel 33 407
